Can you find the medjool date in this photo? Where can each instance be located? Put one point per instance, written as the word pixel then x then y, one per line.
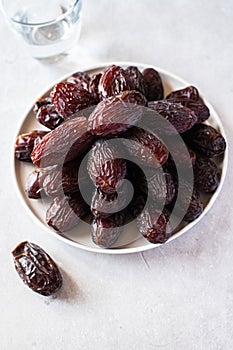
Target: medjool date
pixel 68 99
pixel 206 175
pixel 104 205
pixel 116 114
pixel 133 97
pixel 188 93
pixel 154 225
pixel 181 156
pixel 93 86
pixel 65 213
pixel 63 179
pixel 195 207
pixel 33 186
pixel 161 186
pixel 105 166
pixel 158 184
pixel 189 97
pixel 25 143
pixel 145 147
pixel 199 108
pixel 80 79
pixel 106 231
pixel 153 85
pixel 205 140
pixel 48 117
pixel 37 269
pixel 65 143
pixel 136 78
pixel 41 102
pixel 180 117
pixel 189 205
pixel 113 81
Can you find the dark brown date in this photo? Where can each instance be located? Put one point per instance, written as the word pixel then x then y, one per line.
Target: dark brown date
pixel 153 85
pixel 48 117
pixel 113 81
pixel 158 184
pixel 180 117
pixel 136 78
pixel 199 108
pixel 183 159
pixel 181 156
pixel 116 114
pixel 184 163
pixel 154 225
pixel 41 102
pixel 195 207
pixel 188 93
pixel 106 231
pixel 69 99
pixel 206 175
pixel 33 186
pixel 63 144
pixel 189 97
pixel 65 213
pixel 145 147
pixel 58 180
pixel 133 97
pixel 105 166
pixel 189 198
pixel 104 205
pixel 161 186
pixel 25 143
pixel 205 140
pixel 80 79
pixel 63 179
pixel 93 86
pixel 44 181
pixel 37 269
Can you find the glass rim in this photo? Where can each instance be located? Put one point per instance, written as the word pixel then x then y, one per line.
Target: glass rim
pixel 29 24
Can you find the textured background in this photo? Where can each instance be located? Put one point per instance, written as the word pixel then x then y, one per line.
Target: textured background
pixel 179 296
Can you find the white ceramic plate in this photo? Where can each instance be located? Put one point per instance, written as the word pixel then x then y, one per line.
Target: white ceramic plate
pixel 130 241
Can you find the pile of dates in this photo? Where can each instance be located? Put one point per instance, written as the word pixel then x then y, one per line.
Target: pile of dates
pixel 81 115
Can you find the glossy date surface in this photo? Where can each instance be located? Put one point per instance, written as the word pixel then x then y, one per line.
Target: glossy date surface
pixel 182 118
pixel 48 116
pixel 63 144
pixel 206 175
pixel 69 99
pixel 105 166
pixel 25 144
pixel 154 225
pixel 65 213
pixel 145 147
pixel 37 269
pixel 205 140
pixel 154 89
pixel 113 81
pixel 114 115
pixel 106 231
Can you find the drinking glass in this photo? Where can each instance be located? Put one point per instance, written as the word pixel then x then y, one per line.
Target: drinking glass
pixel 50 28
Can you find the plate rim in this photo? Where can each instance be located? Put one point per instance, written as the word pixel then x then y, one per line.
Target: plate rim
pixel 119 250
